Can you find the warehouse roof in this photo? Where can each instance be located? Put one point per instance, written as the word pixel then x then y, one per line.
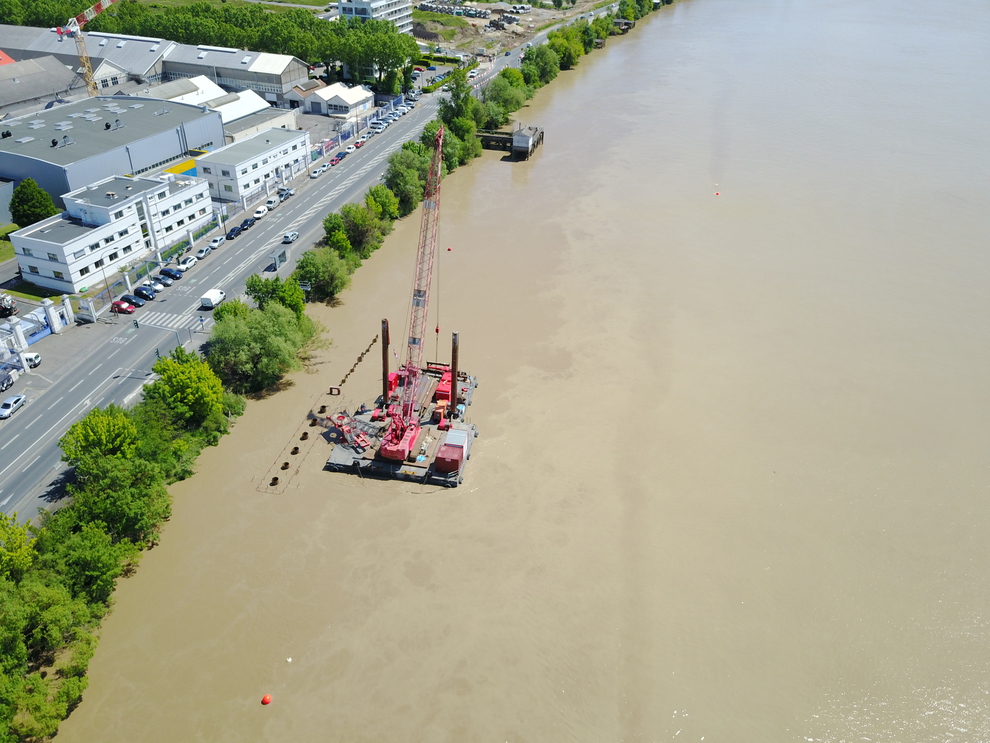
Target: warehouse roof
pixel 34 78
pixel 80 128
pixel 224 57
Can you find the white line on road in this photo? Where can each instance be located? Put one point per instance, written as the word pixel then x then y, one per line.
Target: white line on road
pixel 31 464
pixel 56 402
pixel 10 442
pixel 7 500
pixel 113 354
pixel 76 384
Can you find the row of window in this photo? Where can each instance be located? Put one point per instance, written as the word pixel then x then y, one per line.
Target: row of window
pixel 85 269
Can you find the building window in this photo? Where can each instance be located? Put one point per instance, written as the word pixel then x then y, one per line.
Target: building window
pixel 243 171
pixel 187 202
pixel 94 246
pixel 128 249
pixel 295 146
pixel 27 251
pixel 199 196
pixel 109 239
pixel 202 212
pixel 84 270
pixel 118 215
pixel 122 233
pixel 180 223
pixel 58 274
pixel 98 264
pixel 166 212
pixel 79 253
pixel 112 256
pixel 53 257
pixel 225 172
pixel 168 229
pixel 227 188
pixel 265 161
pixel 163 194
pixel 33 269
pixel 257 181
pixel 208 171
pixel 254 166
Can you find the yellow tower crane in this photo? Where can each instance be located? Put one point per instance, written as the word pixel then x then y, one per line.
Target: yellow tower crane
pixel 74 29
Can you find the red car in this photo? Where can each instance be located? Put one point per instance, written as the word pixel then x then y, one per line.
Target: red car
pixel 122 308
pixel 336 158
pixel 359 143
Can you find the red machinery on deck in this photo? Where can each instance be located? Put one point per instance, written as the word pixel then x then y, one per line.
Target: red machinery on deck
pixel 404 426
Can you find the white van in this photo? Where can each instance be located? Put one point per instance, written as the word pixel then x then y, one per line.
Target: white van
pixel 272 203
pixel 212 299
pixel 260 212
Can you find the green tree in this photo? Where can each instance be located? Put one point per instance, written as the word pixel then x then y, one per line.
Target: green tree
pixel 325 271
pixel 52 613
pixel 364 228
pixel 12 12
pixel 188 387
pixel 127 496
pixel 103 432
pixel 232 308
pixel 30 204
pixel 386 201
pixel 88 560
pixel 17 551
pixel 252 354
pixel 545 62
pixel 406 176
pixel 286 293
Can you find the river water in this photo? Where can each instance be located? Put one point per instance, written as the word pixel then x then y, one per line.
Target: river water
pixel 732 485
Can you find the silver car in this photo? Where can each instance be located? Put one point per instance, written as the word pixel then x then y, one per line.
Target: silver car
pixel 11 405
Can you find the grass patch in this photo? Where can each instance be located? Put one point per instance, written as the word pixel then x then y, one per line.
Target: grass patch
pixel 27 290
pixel 6 247
pixel 452 21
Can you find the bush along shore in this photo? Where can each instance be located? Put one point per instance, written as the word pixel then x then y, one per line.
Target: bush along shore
pixel 57 576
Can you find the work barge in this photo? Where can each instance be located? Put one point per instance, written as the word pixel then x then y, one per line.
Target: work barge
pixel 418 429
pixel 442 443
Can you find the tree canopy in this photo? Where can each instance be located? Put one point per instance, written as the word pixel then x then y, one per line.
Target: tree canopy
pixel 30 203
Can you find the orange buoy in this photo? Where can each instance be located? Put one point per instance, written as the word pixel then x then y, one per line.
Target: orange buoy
pixel 267 699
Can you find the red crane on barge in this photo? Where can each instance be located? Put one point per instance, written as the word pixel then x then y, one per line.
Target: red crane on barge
pixel 400 438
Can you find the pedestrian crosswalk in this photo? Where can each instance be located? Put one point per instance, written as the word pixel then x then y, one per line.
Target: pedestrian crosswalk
pixel 188 319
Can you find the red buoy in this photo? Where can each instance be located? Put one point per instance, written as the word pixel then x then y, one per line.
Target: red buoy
pixel 449 249
pixel 267 699
pixel 716 193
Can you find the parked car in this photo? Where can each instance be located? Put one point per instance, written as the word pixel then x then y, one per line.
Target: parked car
pixel 121 307
pixel 144 292
pixel 33 360
pixel 216 242
pixel 337 158
pixel 203 252
pixel 234 232
pixel 287 190
pixel 508 52
pixel 316 173
pixel 163 279
pixel 131 299
pixel 6 381
pixel 290 237
pixel 153 285
pixel 260 212
pixel 432 68
pixel 284 195
pixel 173 273
pixel 358 143
pixel 188 262
pixel 11 405
pixel 248 223
pixel 350 148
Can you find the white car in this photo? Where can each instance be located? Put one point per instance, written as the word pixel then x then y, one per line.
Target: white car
pixel 153 285
pixel 350 148
pixel 202 252
pixel 316 173
pixel 11 405
pixel 260 212
pixel 216 242
pixel 186 263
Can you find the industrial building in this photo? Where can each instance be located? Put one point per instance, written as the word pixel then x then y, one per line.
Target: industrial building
pixel 333 100
pixel 260 162
pixel 75 144
pixel 398 12
pixel 109 224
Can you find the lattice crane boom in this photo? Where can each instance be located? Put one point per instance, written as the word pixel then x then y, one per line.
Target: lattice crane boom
pixel 404 427
pixel 74 29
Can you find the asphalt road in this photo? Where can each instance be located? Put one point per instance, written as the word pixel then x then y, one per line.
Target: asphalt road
pixel 114 360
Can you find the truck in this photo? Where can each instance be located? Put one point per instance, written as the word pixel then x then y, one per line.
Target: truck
pixel 212 299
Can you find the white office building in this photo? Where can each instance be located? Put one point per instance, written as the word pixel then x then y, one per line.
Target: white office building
pixel 108 225
pixel 397 11
pixel 255 164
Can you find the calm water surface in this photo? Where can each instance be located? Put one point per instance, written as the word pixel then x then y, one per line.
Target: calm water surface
pixel 733 480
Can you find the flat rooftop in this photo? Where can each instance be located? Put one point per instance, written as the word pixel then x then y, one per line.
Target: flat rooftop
pixel 252 120
pixel 80 127
pixel 58 230
pixel 251 147
pixel 125 188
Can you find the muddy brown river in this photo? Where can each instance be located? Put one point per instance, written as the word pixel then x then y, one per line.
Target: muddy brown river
pixel 732 482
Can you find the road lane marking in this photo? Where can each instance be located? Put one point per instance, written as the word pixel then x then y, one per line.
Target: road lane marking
pixel 77 384
pixel 10 442
pixel 59 400
pixel 31 464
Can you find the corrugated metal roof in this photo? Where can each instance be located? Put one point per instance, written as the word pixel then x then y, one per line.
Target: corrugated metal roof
pixel 271 64
pixel 348 95
pixel 35 78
